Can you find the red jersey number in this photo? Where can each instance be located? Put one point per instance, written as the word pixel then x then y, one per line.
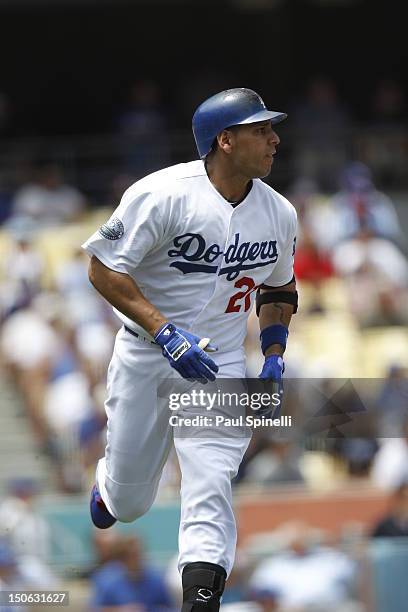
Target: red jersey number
pixel 249 286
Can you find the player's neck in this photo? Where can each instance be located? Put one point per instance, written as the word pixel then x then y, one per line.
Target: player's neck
pixel 231 185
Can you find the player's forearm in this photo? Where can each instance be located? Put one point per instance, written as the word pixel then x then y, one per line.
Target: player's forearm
pixel 122 292
pixel 276 313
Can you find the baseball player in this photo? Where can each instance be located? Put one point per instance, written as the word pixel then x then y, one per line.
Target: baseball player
pixel 182 260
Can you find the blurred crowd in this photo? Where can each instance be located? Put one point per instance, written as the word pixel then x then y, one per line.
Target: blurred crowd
pixel 296 567
pixel 56 339
pixel 57 335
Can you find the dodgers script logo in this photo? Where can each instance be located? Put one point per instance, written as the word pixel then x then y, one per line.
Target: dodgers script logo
pixel 192 248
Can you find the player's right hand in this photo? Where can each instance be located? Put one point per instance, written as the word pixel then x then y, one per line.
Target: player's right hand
pixel 184 354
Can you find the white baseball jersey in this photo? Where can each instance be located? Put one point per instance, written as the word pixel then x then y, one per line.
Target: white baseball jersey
pixel 195 257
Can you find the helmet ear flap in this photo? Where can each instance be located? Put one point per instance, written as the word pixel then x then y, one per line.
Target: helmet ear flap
pixel 214 145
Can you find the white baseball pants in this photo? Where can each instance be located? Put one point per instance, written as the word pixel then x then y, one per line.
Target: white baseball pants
pixel 139 438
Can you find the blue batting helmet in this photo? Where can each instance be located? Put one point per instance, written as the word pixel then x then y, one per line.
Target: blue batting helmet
pixel 236 106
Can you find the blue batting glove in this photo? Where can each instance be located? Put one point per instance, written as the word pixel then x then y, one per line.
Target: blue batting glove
pixel 273 370
pixel 184 355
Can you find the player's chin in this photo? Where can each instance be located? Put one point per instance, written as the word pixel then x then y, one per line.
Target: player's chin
pixel 266 167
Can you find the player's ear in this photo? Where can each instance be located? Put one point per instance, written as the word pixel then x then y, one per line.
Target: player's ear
pixel 225 141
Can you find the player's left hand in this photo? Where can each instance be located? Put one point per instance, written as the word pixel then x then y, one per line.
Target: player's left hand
pixel 272 371
pixel 186 353
pixel 273 368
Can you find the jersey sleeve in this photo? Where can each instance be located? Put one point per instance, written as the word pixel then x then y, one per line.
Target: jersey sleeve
pixel 135 228
pixel 283 271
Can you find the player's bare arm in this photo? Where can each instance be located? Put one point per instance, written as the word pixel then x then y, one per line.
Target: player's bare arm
pixel 276 313
pixel 122 292
pixel 275 307
pixel 182 349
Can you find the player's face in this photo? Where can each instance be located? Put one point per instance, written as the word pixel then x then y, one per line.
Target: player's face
pixel 252 148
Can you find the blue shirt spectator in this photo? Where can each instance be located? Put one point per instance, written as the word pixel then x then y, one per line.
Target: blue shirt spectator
pixel 127 581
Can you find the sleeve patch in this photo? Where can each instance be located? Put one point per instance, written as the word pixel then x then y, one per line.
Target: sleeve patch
pixel 112 229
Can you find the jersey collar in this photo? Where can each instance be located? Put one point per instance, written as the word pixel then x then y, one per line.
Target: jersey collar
pixel 231 205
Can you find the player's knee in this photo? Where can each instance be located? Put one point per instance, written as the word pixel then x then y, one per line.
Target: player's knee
pixel 128 510
pixel 203 586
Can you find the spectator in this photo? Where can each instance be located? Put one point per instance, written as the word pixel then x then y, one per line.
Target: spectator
pixel 276 464
pixel 56 348
pixel 91 438
pixel 265 600
pixel 357 453
pixel 10 578
pixel 315 213
pixel 391 403
pixel 22 267
pixel 303 193
pixel 306 576
pixel 395 522
pixel 94 344
pixel 71 276
pixel 82 305
pixel 359 206
pixel 105 543
pixel 47 200
pixel 390 466
pixel 29 347
pixel 376 274
pixel 313 266
pixel 27 532
pixel 127 581
pixel 68 404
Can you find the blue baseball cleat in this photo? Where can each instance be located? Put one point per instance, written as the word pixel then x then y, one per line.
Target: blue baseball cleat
pixel 101 517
